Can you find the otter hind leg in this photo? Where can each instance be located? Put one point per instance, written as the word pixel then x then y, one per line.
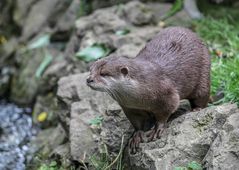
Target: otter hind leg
pixel 200 98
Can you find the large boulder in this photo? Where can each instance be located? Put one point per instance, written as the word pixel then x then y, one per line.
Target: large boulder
pixel 34 15
pixel 191 137
pixel 94 119
pixel 86 115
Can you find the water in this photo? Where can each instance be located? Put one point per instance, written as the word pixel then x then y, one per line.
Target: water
pixel 15 133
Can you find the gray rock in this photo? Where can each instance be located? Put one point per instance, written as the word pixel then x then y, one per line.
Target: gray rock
pixel 67 20
pixel 24 85
pixel 41 14
pixel 85 107
pixel 46 103
pixel 193 136
pixel 47 141
pixel 21 10
pixel 224 151
pixel 5 76
pixel 138 13
pixel 101 27
pixel 192 9
pixel 189 138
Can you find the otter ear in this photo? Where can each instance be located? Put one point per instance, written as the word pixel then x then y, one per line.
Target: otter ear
pixel 124 70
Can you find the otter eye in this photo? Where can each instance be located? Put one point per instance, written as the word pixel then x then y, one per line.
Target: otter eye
pixel 104 74
pixel 124 70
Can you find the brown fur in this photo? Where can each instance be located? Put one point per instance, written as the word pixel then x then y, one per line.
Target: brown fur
pixel 174 65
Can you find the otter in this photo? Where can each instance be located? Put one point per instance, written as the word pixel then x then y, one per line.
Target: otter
pixel 174 65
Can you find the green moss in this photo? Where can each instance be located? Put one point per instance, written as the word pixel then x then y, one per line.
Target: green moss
pixel 201 123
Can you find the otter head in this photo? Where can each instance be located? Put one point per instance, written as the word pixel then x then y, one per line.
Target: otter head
pixel 109 74
pixel 114 75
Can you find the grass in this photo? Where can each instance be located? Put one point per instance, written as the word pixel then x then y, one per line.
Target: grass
pixel 103 161
pixel 222 37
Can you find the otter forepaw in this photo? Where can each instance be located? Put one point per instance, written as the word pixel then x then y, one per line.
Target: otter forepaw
pixel 135 140
pixel 196 109
pixel 155 132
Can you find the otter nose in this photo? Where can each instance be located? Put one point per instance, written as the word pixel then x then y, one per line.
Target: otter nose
pixel 89 80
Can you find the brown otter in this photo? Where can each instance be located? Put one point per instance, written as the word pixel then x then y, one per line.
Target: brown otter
pixel 174 65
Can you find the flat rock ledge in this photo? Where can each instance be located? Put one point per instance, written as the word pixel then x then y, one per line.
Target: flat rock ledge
pixel 92 120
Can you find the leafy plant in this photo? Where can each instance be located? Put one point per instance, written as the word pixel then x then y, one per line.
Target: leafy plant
pixel 44 64
pixel 177 6
pixel 93 52
pixel 51 166
pixel 96 121
pixel 122 31
pixel 190 166
pixel 42 41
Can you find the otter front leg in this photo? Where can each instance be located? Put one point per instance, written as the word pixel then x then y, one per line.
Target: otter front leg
pixel 158 128
pixel 138 119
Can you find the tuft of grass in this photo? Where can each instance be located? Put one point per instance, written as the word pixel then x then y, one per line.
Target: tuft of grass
pixel 103 161
pixel 222 37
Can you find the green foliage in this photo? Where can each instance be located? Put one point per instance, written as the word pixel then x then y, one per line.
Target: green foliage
pixel 100 162
pixel 191 166
pixel 85 8
pixel 194 166
pixel 42 41
pixel 223 40
pixel 177 6
pixel 51 166
pixel 93 52
pixel 96 121
pixel 122 31
pixel 103 160
pixel 44 64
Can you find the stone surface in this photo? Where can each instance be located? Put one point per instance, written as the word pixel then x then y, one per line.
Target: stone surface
pixel 84 109
pixel 24 85
pixel 45 103
pixel 190 137
pixel 224 151
pixel 193 136
pixel 137 13
pixel 41 14
pixel 5 76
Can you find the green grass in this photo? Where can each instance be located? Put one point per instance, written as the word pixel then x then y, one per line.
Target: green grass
pixel 222 37
pixel 103 161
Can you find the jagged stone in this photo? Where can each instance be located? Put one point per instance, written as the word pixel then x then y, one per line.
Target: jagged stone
pixel 192 136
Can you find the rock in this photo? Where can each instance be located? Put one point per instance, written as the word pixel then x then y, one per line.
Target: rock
pixel 67 21
pixel 93 29
pixel 21 10
pixel 85 108
pixel 47 141
pixel 58 68
pixel 193 136
pixel 8 27
pixel 41 14
pixel 5 76
pixel 27 83
pixel 189 138
pixel 96 4
pixel 138 13
pixel 24 85
pixel 45 105
pixel 224 151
